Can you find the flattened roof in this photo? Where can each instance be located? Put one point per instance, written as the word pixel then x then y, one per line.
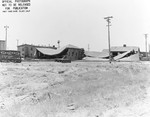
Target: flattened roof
pixel 105 50
pixel 95 59
pixel 103 55
pixel 96 54
pixel 134 57
pixel 49 51
pixel 92 53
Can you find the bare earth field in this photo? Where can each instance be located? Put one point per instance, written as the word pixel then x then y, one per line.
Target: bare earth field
pixel 77 89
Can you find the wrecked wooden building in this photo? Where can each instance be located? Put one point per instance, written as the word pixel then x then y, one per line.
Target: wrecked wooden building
pixel 117 53
pixel 28 50
pixel 125 53
pixel 67 52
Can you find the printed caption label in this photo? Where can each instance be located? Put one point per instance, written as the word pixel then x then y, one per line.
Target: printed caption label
pixel 16 6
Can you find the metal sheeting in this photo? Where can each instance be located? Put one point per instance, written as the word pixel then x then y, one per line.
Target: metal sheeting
pixel 95 59
pixel 47 51
pixel 121 55
pixel 134 57
pixel 96 54
pixel 51 52
pixel 92 53
pixel 104 55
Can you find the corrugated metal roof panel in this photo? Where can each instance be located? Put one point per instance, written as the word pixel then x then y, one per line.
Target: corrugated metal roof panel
pixel 96 54
pixel 95 59
pixel 49 51
pixel 121 55
pixel 92 53
pixel 104 55
pixel 134 57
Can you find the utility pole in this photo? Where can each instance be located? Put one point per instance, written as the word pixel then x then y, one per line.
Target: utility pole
pixel 58 43
pixel 146 45
pixel 6 36
pixel 108 20
pixel 17 43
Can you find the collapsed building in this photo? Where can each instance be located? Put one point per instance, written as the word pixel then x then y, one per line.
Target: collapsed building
pixel 92 53
pixel 28 50
pixel 117 53
pixel 125 53
pixel 67 52
pixel 96 56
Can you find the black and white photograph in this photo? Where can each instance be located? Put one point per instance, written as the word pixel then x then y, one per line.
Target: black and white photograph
pixel 75 58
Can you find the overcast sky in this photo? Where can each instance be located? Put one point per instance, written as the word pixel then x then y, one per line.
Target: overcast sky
pixel 79 22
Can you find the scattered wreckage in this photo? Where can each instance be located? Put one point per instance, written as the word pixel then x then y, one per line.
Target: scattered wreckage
pixel 10 56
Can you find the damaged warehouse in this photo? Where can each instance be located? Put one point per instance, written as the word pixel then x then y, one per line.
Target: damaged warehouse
pixel 68 52
pixel 125 53
pixel 118 53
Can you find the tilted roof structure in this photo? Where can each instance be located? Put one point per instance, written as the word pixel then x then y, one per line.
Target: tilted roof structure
pixel 96 54
pixel 134 57
pixel 92 53
pixel 121 55
pixel 51 52
pixel 103 55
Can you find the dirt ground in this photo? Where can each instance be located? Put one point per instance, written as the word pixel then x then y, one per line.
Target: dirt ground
pixel 77 89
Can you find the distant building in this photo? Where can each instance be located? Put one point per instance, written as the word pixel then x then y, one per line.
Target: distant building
pixel 116 50
pixel 2 45
pixel 28 51
pixel 67 52
pixel 126 53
